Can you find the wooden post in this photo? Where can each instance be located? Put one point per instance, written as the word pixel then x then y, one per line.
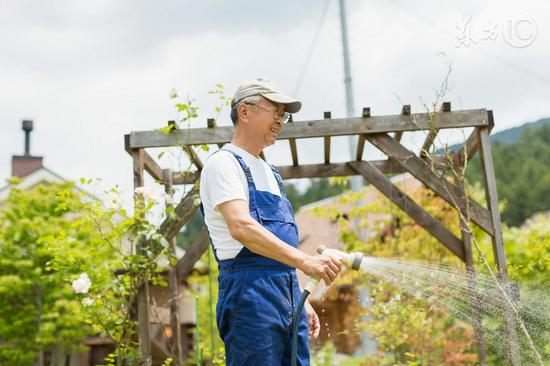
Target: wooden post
pixel 327 115
pixel 361 140
pixel 432 134
pixel 490 184
pixel 173 283
pixel 292 144
pixel 405 111
pixel 144 324
pixel 211 123
pixel 475 300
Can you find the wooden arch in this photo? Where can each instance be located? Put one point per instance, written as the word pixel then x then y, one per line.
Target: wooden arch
pixel 385 133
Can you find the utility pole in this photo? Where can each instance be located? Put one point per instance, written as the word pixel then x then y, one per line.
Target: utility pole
pixel 368 345
pixel 356 181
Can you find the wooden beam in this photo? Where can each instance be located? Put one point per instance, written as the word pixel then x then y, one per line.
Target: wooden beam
pixel 311 170
pixel 499 254
pixel 184 210
pixel 471 146
pixel 327 115
pixel 191 153
pixel 150 164
pixel 366 112
pixel 144 323
pixel 490 184
pixel 440 185
pixel 318 128
pixel 425 150
pixel 361 140
pixel 192 255
pixel 211 123
pixel 405 111
pixel 293 152
pixel 173 287
pixel 398 135
pixel 193 156
pixel 360 148
pixel 421 216
pixel 334 169
pixel 475 300
pixel 152 167
pixel 293 148
pixel 185 177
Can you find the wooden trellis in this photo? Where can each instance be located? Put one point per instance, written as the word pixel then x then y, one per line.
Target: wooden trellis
pixel 385 133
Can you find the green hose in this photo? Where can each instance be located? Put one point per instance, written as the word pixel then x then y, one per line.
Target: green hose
pixel 295 323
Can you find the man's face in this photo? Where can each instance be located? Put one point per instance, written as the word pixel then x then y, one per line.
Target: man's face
pixel 266 120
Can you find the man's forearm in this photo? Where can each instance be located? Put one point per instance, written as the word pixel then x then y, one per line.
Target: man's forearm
pixel 261 241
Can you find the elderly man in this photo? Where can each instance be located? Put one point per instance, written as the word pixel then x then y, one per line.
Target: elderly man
pixel 255 238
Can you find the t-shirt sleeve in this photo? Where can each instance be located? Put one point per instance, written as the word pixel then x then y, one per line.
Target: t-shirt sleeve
pixel 223 180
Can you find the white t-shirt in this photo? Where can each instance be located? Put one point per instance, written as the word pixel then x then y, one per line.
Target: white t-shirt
pixel 222 180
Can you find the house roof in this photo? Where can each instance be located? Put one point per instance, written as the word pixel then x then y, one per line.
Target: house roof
pixel 31 180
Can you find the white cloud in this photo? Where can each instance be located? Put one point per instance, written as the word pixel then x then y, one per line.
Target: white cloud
pixel 92 72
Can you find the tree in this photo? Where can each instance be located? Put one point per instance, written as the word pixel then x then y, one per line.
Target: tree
pixel 44 245
pixel 522 172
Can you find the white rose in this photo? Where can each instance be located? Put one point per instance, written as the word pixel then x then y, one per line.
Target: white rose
pixel 82 284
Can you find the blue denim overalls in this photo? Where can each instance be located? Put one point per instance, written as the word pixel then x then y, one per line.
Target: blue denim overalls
pixel 257 296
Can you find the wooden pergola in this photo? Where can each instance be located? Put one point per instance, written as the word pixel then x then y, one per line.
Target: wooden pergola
pixel 385 133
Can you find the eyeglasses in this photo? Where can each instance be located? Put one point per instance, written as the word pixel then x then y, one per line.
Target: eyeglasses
pixel 279 116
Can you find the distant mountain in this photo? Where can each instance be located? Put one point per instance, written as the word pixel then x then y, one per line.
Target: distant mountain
pixel 510 135
pixel 520 159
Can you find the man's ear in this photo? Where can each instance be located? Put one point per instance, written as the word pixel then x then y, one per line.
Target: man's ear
pixel 242 112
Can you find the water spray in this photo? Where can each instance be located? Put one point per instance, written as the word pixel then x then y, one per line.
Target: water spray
pixel 349 260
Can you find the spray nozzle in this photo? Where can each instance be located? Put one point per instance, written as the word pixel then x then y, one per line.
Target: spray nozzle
pixel 350 260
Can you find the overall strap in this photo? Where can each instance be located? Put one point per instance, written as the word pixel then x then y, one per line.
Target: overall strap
pixel 201 207
pixel 249 180
pixel 279 180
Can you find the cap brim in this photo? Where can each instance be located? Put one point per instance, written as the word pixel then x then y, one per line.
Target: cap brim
pixel 292 105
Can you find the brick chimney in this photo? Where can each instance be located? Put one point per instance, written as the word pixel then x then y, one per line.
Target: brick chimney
pixel 23 165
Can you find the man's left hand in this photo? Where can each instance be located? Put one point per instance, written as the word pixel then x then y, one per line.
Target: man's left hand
pixel 314 325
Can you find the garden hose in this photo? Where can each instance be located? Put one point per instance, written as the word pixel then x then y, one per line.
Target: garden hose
pixel 351 260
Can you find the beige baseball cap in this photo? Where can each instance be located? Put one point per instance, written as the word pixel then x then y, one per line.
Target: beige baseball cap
pixel 268 90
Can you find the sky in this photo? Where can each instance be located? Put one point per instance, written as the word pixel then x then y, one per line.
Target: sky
pixel 89 72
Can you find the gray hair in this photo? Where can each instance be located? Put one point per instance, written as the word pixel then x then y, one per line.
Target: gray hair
pixel 251 100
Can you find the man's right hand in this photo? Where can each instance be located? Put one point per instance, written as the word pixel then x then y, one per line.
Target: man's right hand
pixel 322 267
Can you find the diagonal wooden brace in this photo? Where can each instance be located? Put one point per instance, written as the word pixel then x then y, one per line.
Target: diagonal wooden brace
pixel 421 216
pixel 440 185
pixel 184 210
pixel 185 265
